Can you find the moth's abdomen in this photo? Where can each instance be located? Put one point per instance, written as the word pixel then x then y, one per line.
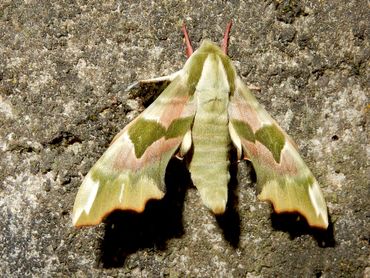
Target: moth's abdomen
pixel 209 166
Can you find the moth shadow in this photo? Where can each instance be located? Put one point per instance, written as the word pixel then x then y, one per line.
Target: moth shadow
pixel 126 232
pixel 296 225
pixel 287 222
pixel 229 222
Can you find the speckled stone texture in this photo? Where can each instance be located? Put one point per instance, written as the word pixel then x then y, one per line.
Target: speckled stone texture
pixel 64 67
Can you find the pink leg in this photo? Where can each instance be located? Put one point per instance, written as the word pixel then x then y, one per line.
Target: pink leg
pixel 225 42
pixel 189 48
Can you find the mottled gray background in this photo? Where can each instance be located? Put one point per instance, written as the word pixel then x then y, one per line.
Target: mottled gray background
pixel 64 66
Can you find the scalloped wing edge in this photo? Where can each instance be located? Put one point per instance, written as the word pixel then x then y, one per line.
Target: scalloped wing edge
pixel 131 171
pixel 282 176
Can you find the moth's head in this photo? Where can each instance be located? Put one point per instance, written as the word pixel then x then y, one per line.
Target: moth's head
pixel 208 50
pixel 208 47
pixel 194 66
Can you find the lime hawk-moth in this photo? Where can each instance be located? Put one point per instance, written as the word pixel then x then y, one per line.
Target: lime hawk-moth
pixel 204 110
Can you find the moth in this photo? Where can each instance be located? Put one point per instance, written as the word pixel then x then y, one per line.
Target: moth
pixel 205 109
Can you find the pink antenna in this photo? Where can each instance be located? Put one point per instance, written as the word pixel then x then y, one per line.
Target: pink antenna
pixel 189 48
pixel 225 42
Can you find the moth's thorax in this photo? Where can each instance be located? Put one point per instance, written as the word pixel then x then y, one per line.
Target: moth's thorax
pixel 212 90
pixel 209 69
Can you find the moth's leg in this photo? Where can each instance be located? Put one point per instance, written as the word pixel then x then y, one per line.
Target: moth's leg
pixel 254 88
pixel 168 78
pixel 225 42
pixel 189 48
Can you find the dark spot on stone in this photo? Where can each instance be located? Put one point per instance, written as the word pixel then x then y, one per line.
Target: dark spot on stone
pixel 287 35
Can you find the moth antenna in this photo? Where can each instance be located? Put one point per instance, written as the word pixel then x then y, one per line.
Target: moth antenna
pixel 225 42
pixel 189 48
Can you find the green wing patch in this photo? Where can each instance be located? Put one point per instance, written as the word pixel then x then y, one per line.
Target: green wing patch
pixel 273 139
pixel 179 127
pixel 144 133
pixel 244 130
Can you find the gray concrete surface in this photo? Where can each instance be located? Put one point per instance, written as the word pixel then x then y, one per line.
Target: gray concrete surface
pixel 64 66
